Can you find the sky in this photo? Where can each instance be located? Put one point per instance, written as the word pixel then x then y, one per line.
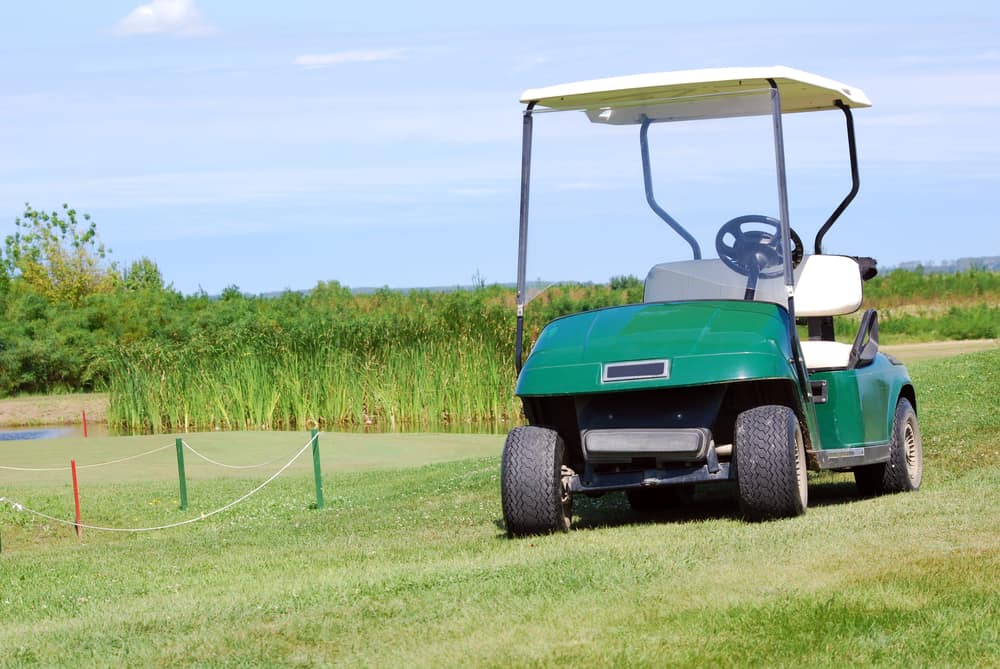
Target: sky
pixel 273 145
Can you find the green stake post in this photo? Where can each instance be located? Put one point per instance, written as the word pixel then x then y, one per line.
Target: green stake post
pixel 180 473
pixel 316 469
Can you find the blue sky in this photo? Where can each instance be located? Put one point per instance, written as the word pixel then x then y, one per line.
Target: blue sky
pixel 274 145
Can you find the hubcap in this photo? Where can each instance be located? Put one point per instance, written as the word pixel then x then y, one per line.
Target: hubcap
pixel 801 476
pixel 911 449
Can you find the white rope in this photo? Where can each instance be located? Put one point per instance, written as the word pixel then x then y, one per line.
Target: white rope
pixel 16 506
pixel 36 469
pixel 98 464
pixel 222 464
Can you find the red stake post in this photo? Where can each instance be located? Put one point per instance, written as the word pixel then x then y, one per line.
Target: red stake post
pixel 84 423
pixel 76 498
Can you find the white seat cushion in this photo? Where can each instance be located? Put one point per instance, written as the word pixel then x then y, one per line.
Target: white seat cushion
pixel 826 354
pixel 827 286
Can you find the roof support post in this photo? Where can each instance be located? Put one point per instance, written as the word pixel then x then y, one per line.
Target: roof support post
pixel 855 178
pixel 779 160
pixel 522 236
pixel 647 180
pixel 786 239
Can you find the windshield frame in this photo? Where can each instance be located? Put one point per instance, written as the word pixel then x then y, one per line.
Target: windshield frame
pixel 782 190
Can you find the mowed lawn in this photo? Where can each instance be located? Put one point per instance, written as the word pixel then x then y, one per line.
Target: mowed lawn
pixel 408 564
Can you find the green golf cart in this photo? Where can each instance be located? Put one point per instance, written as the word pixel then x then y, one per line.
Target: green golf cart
pixel 707 380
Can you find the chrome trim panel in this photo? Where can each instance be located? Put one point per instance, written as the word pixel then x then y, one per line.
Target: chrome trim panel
pixel 635 370
pixel 841 458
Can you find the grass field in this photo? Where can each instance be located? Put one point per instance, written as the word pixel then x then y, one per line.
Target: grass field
pixel 409 566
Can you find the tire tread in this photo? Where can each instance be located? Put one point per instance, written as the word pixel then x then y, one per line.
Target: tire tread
pixel 766 465
pixel 530 482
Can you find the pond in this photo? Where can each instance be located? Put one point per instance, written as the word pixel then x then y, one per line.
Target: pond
pixel 51 432
pixel 102 430
pixel 15 435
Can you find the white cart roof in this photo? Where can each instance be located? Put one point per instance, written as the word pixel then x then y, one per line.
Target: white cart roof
pixel 800 91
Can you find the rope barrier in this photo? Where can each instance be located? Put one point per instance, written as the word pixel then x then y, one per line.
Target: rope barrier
pixel 97 464
pixel 222 464
pixel 36 469
pixel 17 506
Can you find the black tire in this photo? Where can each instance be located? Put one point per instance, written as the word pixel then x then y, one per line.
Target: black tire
pixel 531 487
pixel 770 463
pixel 653 500
pixel 904 470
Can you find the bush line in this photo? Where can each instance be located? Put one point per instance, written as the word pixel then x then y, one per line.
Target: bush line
pixel 330 358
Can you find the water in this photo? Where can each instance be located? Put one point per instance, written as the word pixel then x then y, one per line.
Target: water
pixel 51 432
pixel 101 430
pixel 16 435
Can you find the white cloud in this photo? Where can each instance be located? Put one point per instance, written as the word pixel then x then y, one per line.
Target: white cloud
pixel 165 17
pixel 312 61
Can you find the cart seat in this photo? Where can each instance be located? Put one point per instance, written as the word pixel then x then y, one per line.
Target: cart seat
pixel 826 355
pixel 828 285
pixel 825 285
pixel 708 279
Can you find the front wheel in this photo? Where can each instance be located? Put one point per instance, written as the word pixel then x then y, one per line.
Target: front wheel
pixel 534 495
pixel 904 470
pixel 770 463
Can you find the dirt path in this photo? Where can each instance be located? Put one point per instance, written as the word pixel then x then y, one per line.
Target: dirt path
pixel 53 410
pixel 68 409
pixel 938 349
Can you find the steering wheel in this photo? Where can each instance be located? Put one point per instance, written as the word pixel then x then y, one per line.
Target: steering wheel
pixel 754 251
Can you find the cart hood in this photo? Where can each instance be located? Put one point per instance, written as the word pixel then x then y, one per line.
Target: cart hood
pixel 699 342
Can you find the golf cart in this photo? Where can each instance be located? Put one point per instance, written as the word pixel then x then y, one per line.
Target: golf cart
pixel 706 380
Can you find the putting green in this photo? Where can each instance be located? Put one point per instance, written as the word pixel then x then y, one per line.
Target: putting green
pixel 339 452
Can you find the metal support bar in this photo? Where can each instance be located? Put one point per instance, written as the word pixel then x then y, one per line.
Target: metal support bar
pixel 522 236
pixel 779 163
pixel 855 178
pixel 786 238
pixel 608 482
pixel 712 459
pixel 647 180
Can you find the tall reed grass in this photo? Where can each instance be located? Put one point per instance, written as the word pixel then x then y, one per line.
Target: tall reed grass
pixel 428 384
pixel 416 360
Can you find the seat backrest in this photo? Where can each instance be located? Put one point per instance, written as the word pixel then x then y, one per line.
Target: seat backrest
pixel 827 285
pixel 706 280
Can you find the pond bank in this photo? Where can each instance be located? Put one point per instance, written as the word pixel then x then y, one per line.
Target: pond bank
pixel 53 410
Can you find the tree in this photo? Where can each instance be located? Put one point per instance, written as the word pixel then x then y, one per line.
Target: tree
pixel 143 274
pixel 51 254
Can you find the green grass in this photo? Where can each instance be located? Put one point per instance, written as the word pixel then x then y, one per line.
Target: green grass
pixel 418 360
pixel 339 452
pixel 409 566
pixel 931 322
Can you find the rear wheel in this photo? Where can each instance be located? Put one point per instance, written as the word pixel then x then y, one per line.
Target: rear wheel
pixel 534 495
pixel 770 463
pixel 904 470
